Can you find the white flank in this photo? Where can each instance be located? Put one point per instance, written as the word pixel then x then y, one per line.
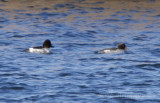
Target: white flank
pixel 43 50
pixel 107 51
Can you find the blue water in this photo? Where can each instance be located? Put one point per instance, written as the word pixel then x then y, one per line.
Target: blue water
pixel 73 72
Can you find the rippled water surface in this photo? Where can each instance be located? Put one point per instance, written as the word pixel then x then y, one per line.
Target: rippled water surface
pixel 74 72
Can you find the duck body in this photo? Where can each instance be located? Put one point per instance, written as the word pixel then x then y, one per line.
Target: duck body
pixel 120 49
pixel 111 50
pixel 45 49
pixel 38 50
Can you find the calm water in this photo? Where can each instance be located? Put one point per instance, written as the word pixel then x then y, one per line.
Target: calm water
pixel 73 72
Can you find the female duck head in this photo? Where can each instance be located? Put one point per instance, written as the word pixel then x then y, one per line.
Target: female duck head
pixel 122 46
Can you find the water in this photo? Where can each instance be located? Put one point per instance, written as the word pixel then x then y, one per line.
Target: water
pixel 73 72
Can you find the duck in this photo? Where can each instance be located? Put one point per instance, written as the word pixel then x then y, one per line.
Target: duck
pixel 45 49
pixel 121 47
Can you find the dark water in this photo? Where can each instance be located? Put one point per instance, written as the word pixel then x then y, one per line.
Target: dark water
pixel 73 72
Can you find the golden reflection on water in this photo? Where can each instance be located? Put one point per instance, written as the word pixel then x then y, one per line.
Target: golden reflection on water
pixel 140 11
pixel 111 5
